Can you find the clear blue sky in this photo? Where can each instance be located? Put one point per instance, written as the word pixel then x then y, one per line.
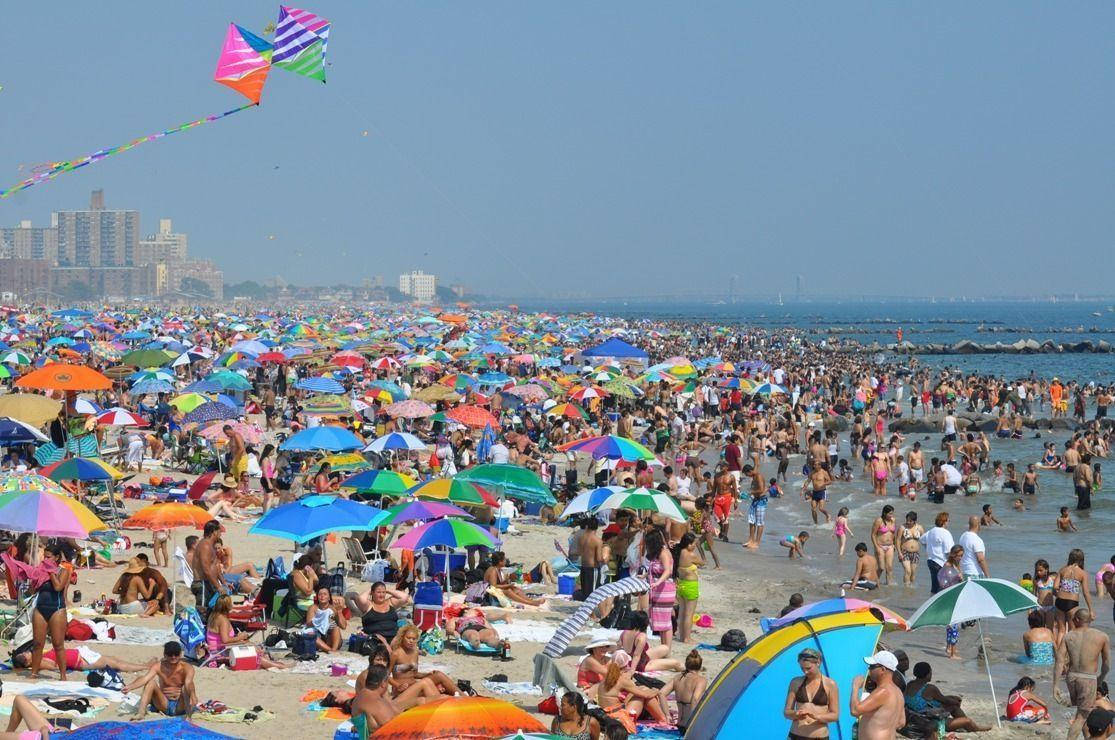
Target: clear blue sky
pixel 613 148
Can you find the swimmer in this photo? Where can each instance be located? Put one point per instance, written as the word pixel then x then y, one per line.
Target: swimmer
pixel 867 568
pixel 988 518
pixel 1064 521
pixel 841 531
pixel 1019 505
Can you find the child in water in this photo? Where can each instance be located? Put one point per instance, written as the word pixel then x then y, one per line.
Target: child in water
pixel 774 491
pixel 841 531
pixel 1064 522
pixel 796 544
pixel 988 518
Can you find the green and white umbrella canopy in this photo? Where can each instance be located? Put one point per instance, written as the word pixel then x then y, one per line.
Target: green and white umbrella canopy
pixel 975 598
pixel 641 499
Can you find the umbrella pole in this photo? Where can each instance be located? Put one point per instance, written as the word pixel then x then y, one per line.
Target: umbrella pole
pixel 987 666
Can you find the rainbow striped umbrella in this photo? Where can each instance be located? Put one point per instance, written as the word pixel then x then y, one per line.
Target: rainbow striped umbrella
pixel 42 511
pixel 380 481
pixel 452 533
pixel 81 468
pixel 457 491
pixel 611 447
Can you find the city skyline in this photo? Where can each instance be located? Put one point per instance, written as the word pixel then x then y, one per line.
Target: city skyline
pixel 604 150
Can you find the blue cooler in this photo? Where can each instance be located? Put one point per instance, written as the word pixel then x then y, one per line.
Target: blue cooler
pixel 428 603
pixel 501 523
pixel 567 583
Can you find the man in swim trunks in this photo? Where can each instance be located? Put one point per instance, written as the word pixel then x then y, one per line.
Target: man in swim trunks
pixel 237 455
pixel 168 686
pixel 916 462
pixel 1086 654
pixel 372 707
pixel 819 477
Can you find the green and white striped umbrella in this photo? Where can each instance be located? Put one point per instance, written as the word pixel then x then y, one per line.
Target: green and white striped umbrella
pixel 975 598
pixel 641 499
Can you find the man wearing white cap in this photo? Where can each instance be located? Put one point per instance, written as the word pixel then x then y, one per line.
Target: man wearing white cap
pixel 881 713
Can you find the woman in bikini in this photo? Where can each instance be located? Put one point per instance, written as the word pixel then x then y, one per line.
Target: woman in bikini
pixel 687 559
pixel 812 700
pixel 882 537
pixel 404 662
pixel 472 627
pixel 880 471
pixel 572 720
pixel 624 700
pixel 1071 582
pixel 689 687
pixel 591 669
pixel 910 545
pixel 644 657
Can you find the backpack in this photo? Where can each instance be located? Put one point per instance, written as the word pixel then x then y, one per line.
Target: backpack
pixel 105 678
pixel 304 645
pixel 276 568
pixel 190 630
pixel 733 641
pixel 619 618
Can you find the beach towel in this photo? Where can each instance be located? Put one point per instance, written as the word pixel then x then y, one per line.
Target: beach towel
pixel 153 730
pixel 215 711
pixel 519 687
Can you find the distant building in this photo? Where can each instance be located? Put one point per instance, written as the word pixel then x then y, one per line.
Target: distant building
pixel 27 242
pixel 111 282
pixel 419 285
pixel 165 246
pixel 184 277
pixel 26 278
pixel 97 237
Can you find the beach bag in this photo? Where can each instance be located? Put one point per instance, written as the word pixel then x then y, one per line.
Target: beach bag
pixel 304 645
pixel 190 630
pixel 361 644
pixel 476 592
pixel 549 705
pixel 432 641
pixel 77 630
pixel 619 618
pixel 276 568
pixel 105 678
pixel 733 641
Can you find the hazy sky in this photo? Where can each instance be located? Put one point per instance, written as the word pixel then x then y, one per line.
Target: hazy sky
pixel 610 148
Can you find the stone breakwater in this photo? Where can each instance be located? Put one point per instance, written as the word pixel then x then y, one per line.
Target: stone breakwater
pixel 1021 347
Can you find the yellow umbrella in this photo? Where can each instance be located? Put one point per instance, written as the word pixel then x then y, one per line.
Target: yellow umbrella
pixel 32 408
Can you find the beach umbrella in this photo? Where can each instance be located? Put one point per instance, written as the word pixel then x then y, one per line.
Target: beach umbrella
pixel 513 481
pixel 15 358
pixel 529 392
pixel 568 411
pixel 436 392
pixel 46 513
pixel 458 381
pixel 380 481
pixel 609 446
pixel 767 389
pixel 395 441
pixel 5 373
pixel 229 381
pixel 472 416
pixel 589 501
pixel 170 515
pixel 320 385
pixel 459 717
pixel 891 620
pixel 411 511
pixel 81 468
pixel 754 681
pixel 642 499
pixel 187 402
pixel 119 417
pixel 14 431
pixel 60 376
pixel 974 599
pixel 451 533
pixel 143 387
pixel 586 393
pixel 210 411
pixel 346 462
pixel 532 736
pixel 160 729
pixel 327 404
pixel 315 515
pixel 576 622
pixel 409 409
pixel 275 357
pixel 332 439
pixel 457 491
pixel 147 358
pixel 251 434
pixel 30 408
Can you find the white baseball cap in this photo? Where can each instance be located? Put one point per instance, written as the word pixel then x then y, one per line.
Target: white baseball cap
pixel 885 658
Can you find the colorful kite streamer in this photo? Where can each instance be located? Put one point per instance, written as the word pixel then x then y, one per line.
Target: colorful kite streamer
pixel 243 65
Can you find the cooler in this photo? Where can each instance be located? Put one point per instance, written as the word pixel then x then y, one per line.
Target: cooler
pixel 243 659
pixel 428 603
pixel 567 583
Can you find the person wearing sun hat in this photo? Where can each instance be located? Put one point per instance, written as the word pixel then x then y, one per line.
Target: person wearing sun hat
pixel 592 667
pixel 134 591
pixel 882 712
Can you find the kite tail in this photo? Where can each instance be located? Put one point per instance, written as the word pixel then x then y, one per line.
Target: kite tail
pixel 57 168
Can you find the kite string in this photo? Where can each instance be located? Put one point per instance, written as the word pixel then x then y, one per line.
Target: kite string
pixel 58 168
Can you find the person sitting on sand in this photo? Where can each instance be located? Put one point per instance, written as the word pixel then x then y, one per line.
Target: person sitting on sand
pixel 371 707
pixel 24 712
pixel 220 635
pixel 135 593
pixel 404 660
pixel 644 657
pixel 867 568
pixel 412 692
pixel 168 686
pixel 472 627
pixel 81 659
pixel 1037 641
pixel 921 695
pixel 496 579
pixel 624 700
pixel 327 621
pixel 242 577
pixel 378 609
pixel 593 666
pixel 572 720
pixel 1023 705
pixel 689 687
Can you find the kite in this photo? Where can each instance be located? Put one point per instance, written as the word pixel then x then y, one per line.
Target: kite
pixel 299 46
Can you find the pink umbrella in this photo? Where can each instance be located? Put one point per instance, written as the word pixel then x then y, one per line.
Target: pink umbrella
pixel 252 435
pixel 529 392
pixel 409 409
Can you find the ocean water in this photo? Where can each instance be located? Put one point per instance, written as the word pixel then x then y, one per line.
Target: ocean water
pixel 922 322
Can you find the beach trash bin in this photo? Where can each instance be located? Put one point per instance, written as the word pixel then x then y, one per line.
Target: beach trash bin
pixel 567 583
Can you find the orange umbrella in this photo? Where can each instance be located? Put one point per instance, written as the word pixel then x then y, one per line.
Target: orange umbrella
pixel 464 717
pixel 60 376
pixel 472 416
pixel 168 516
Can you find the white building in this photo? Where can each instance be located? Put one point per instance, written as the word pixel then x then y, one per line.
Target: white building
pixel 419 285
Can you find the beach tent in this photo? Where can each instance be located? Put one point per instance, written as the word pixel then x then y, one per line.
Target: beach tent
pixel 617 348
pixel 756 679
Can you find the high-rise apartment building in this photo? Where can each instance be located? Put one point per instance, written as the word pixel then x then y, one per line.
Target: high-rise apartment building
pixel 165 246
pixel 419 285
pixel 27 242
pixel 97 237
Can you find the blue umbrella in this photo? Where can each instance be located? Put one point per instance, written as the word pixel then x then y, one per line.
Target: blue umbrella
pixel 210 411
pixel 320 385
pixel 315 515
pixel 333 439
pixel 227 380
pixel 396 441
pixel 152 386
pixel 14 431
pixel 202 386
pixel 494 378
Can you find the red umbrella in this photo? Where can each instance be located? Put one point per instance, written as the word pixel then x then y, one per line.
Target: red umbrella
pixel 278 357
pixel 473 416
